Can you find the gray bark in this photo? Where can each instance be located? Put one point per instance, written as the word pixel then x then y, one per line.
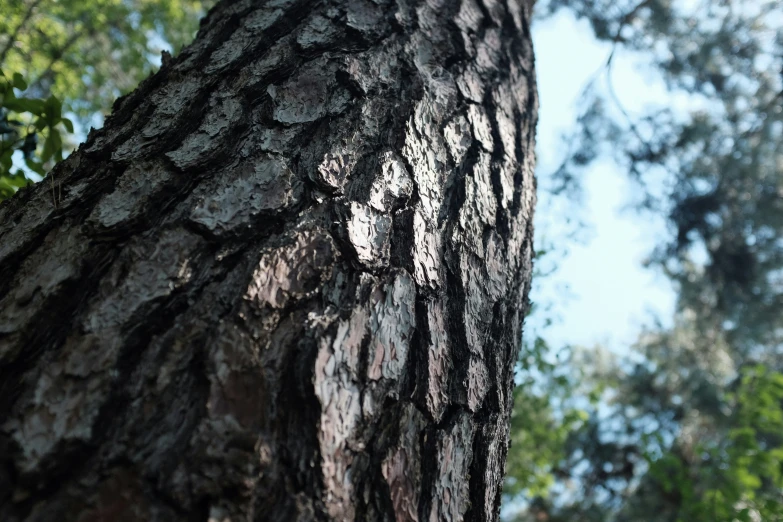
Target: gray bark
pixel 286 281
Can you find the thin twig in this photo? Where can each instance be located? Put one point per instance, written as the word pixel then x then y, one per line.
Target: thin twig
pixel 54 198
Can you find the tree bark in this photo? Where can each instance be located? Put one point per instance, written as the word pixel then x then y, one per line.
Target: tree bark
pixel 286 281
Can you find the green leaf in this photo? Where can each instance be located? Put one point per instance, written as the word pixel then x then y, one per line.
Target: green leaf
pixel 48 149
pixel 54 108
pixel 6 161
pixel 17 180
pixel 57 144
pixel 18 82
pixel 6 190
pixel 68 125
pixel 32 106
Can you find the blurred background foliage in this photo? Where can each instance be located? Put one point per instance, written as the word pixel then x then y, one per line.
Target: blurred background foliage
pixel 688 424
pixel 22 121
pixel 77 56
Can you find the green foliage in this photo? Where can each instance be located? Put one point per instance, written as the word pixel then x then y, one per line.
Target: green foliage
pixel 24 123
pixel 88 53
pixel 541 421
pixel 77 57
pixel 739 475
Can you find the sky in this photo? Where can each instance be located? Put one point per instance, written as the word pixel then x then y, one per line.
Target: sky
pixel 600 292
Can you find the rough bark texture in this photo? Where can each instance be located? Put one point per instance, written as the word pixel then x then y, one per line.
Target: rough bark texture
pixel 286 281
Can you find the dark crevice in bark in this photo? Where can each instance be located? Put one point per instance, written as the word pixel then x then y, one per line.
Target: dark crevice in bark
pixel 498 333
pixel 415 383
pixel 454 197
pixel 501 217
pixel 429 470
pixel 418 361
pixel 362 176
pixel 455 324
pixel 487 20
pixel 356 41
pixel 402 236
pixel 299 408
pixel 344 79
pixel 516 201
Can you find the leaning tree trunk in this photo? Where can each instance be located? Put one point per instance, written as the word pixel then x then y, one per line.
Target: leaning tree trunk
pixel 286 281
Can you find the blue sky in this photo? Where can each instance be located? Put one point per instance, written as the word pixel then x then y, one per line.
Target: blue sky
pixel 600 292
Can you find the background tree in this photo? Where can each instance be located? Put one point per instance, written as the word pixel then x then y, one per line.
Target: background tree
pixel 687 425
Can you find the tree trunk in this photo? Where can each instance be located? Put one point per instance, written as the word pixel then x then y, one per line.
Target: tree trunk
pixel 286 281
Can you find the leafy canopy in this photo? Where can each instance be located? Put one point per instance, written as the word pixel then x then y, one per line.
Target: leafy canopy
pixel 75 57
pixel 22 121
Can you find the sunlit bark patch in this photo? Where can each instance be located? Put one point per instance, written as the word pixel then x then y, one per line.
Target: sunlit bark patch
pixel 292 271
pixel 369 232
pixel 393 186
pixel 337 385
pixel 335 169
